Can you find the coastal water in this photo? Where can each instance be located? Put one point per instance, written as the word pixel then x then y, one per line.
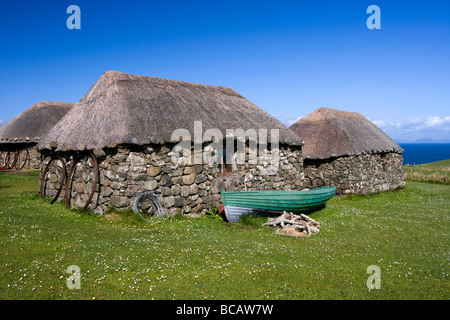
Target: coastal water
pixel 418 153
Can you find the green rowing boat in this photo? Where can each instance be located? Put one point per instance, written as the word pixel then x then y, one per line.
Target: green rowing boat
pixel 239 203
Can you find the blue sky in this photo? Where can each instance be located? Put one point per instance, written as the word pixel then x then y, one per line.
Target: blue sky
pixel 288 57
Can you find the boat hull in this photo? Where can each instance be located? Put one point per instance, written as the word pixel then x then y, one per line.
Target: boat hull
pixel 239 204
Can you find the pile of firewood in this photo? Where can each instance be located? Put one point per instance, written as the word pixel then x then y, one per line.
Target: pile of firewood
pixel 290 224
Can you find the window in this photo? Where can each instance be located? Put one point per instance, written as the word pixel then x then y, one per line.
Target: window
pixel 227 164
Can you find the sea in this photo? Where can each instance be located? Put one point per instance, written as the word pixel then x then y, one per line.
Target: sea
pixel 419 153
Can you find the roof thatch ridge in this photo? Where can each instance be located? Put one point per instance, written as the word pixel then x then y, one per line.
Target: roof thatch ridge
pixel 117 75
pixel 34 123
pixel 331 133
pixel 125 108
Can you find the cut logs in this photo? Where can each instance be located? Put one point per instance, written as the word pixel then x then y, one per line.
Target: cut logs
pixel 290 224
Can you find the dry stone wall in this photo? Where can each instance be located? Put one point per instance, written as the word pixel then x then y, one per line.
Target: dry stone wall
pixel 358 174
pixel 126 171
pixel 9 152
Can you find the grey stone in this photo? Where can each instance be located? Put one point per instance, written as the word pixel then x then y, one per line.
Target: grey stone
pixel 178 201
pixel 165 191
pixel 169 201
pixel 119 201
pixel 175 190
pixel 177 172
pixel 136 177
pixel 175 211
pixel 153 171
pixel 135 160
pixel 188 179
pixel 106 192
pixel 166 180
pixel 150 185
pixel 189 170
pixel 193 189
pixel 185 191
pixel 198 168
pixel 200 178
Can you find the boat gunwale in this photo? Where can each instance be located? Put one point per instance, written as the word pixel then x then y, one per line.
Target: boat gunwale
pixel 272 201
pixel 315 191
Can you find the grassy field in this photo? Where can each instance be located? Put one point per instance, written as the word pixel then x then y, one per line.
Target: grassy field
pixel 434 172
pixel 405 233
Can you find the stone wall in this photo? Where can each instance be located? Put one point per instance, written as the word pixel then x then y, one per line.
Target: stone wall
pixel 33 162
pixel 126 171
pixel 363 173
pixel 35 159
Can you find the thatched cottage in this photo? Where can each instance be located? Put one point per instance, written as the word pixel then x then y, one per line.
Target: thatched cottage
pixel 155 135
pixel 20 135
pixel 347 150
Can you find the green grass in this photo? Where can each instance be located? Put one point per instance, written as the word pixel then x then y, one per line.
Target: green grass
pixel 434 172
pixel 405 233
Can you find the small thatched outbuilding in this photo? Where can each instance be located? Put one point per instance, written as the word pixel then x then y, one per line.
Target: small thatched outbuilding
pixel 20 135
pixel 347 150
pixel 131 127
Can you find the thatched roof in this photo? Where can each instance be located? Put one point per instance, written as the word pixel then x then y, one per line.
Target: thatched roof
pixel 34 123
pixel 333 133
pixel 124 108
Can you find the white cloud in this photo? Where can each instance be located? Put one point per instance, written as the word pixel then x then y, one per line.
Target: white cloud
pixel 433 127
pixel 434 121
pixel 2 121
pixel 380 123
pixel 290 121
pixel 415 120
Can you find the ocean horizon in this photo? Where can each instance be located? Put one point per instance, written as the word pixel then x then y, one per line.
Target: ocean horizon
pixel 420 153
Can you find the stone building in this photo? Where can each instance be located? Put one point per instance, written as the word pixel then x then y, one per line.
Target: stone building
pixel 347 150
pixel 168 138
pixel 20 135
